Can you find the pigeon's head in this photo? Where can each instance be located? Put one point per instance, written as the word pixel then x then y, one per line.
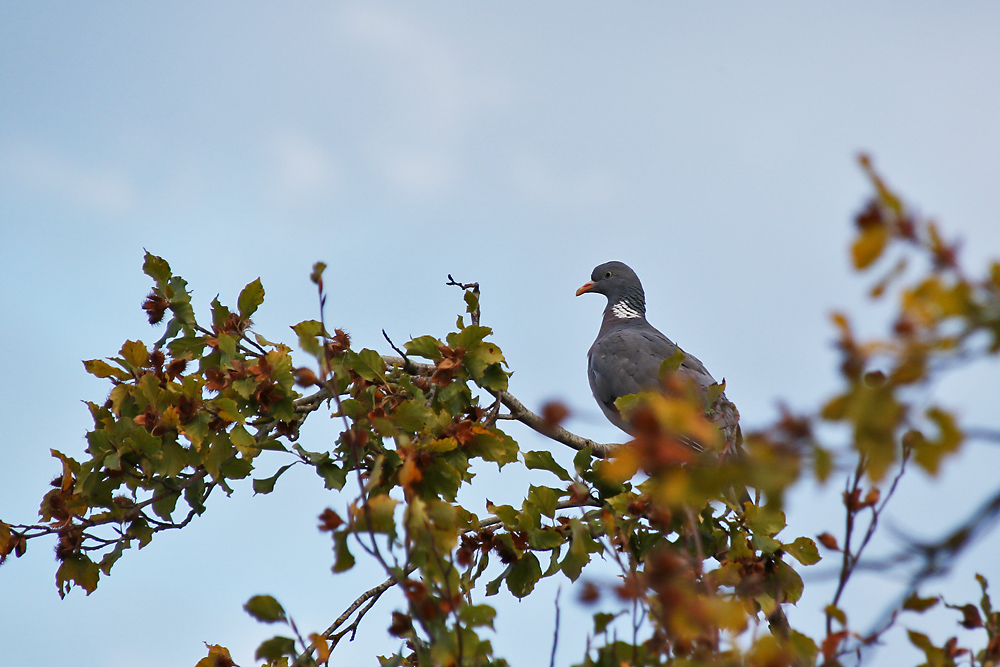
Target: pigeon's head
pixel 612 279
pixel 619 283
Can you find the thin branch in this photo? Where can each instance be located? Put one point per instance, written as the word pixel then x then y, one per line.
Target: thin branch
pixel 561 505
pixel 555 633
pixel 985 434
pixel 554 432
pixel 474 315
pixel 940 557
pixel 393 345
pixel 847 559
pixel 409 366
pixel 517 411
pixel 371 594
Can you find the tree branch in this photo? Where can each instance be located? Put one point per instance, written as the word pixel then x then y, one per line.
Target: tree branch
pixel 517 411
pixel 552 431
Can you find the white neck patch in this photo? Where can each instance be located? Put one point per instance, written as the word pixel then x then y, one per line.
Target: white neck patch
pixel 623 310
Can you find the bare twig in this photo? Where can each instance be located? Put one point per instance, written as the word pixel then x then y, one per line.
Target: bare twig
pixel 393 345
pixel 847 558
pixel 474 314
pixel 939 558
pixel 555 633
pixel 371 594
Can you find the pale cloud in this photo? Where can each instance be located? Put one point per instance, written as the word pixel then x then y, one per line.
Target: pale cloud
pixel 574 187
pixel 435 98
pixel 93 188
pixel 302 170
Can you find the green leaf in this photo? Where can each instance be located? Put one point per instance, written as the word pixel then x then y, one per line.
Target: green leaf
pixel 219 452
pixel 193 345
pixel 366 363
pixel 495 446
pixel 80 570
pixel 765 522
pixel 111 557
pixel 228 345
pixel 164 507
pixel 309 332
pixel 471 301
pixel 411 415
pixel 670 365
pixel 524 575
pixel 764 544
pixel 180 300
pixel 345 559
pixel 236 468
pixel 264 486
pixel 227 409
pixel 334 477
pixel 424 346
pixel 275 648
pixel 494 378
pixel 156 268
pixel 577 556
pixel 544 498
pixel 196 430
pixel 478 614
pixel 263 342
pixel 469 337
pixel 837 614
pixel 245 444
pixel 803 550
pixel 601 621
pixel 220 313
pixel 506 514
pixel 713 392
pixel 922 642
pixel 381 510
pixel 141 531
pixel 919 604
pixel 493 587
pixel 543 539
pixel 250 299
pixel 789 582
pixel 317 273
pixel 543 460
pixel 583 460
pixel 478 358
pixel 265 609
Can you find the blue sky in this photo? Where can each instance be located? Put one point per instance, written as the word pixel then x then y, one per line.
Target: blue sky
pixel 710 147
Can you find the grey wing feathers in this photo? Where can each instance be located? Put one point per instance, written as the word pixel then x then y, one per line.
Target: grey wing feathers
pixel 628 361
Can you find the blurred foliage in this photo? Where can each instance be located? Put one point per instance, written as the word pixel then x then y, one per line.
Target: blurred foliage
pixel 698 571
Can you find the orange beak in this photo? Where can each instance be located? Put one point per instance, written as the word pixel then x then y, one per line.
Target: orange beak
pixel 586 287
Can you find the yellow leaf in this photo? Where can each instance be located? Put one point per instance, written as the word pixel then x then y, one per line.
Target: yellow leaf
pixel 621 467
pixel 869 246
pixel 217 656
pixel 322 647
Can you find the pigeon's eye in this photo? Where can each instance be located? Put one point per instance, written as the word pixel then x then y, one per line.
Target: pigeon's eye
pixel 607 275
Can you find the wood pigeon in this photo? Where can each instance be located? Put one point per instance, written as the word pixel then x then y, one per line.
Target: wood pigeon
pixel 625 359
